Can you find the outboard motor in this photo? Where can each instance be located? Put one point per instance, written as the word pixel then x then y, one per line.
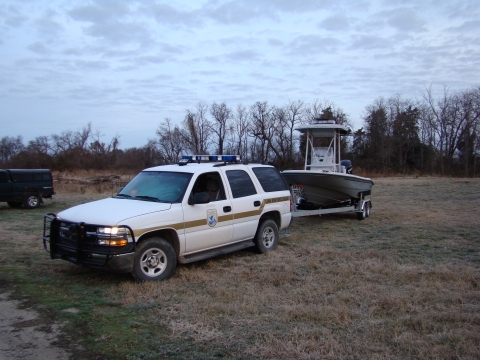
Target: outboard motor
pixel 348 166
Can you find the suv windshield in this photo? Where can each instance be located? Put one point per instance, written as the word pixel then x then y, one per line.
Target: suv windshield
pixel 161 186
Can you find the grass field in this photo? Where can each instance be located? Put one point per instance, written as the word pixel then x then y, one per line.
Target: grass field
pixel 404 283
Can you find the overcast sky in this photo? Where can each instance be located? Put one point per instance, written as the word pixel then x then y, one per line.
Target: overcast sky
pixel 125 66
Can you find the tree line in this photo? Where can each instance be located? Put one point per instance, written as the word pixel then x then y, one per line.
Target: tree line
pixel 430 136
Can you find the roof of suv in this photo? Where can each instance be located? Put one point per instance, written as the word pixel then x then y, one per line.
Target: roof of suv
pixel 195 167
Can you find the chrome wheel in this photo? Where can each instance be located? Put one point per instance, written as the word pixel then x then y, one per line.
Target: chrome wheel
pixel 268 237
pixel 154 261
pixel 31 201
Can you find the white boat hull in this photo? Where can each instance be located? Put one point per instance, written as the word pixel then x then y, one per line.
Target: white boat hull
pixel 328 188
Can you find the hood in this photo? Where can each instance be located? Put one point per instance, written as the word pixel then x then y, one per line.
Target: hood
pixel 111 211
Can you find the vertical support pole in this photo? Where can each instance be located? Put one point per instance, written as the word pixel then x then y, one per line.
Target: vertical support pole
pixel 306 149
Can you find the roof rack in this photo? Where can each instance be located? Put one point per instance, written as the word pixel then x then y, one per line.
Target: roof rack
pixel 209 158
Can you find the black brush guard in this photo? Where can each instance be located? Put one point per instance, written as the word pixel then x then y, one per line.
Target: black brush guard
pixel 78 242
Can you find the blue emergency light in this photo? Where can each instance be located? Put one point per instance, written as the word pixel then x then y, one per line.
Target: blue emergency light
pixel 210 158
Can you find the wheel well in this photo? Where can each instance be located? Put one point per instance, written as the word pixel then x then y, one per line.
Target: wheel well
pixel 169 235
pixel 32 190
pixel 274 215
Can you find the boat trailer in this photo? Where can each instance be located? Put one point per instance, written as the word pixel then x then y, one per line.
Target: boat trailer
pixel 362 206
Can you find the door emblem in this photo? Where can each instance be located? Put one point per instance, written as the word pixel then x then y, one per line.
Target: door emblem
pixel 212 217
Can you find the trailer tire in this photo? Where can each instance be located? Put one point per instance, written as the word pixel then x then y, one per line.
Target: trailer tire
pixel 361 215
pixel 368 207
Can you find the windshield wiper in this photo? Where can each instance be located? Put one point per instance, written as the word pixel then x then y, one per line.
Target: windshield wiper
pixel 123 195
pixel 146 197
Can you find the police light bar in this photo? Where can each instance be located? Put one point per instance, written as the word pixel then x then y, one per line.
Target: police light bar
pixel 211 158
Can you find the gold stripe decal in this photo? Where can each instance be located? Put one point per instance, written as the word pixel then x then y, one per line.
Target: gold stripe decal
pixel 223 218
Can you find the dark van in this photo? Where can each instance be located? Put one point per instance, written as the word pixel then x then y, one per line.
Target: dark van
pixel 25 187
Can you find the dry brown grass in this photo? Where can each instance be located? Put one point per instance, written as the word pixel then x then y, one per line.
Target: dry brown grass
pixel 404 283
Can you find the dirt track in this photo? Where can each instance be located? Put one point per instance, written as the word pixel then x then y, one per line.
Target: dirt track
pixel 26 334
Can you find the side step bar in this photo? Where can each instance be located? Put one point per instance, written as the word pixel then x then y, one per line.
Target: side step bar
pixel 215 252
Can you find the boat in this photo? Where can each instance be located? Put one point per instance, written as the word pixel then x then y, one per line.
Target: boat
pixel 326 181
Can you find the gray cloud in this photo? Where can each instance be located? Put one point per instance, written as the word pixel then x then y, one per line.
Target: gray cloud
pixel 337 22
pixel 407 20
pixel 370 42
pixel 306 45
pixel 243 55
pixel 39 48
pixel 12 17
pixel 168 15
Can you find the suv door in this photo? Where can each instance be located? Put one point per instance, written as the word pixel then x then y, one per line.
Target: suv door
pixel 208 225
pixel 246 204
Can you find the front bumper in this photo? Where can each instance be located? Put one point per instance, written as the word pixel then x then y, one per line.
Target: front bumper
pixel 78 244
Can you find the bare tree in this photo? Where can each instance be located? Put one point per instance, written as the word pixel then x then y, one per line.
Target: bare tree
pixel 197 130
pixel 222 114
pixel 170 141
pixel 262 127
pixel 9 148
pixel 295 111
pixel 237 133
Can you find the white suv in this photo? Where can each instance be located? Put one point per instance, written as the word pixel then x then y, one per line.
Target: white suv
pixel 182 213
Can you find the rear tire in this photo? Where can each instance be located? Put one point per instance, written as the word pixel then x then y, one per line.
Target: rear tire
pixel 266 238
pixel 155 259
pixel 31 201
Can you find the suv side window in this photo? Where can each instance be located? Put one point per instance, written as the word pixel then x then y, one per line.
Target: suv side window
pixel 211 184
pixel 270 179
pixel 241 183
pixel 3 177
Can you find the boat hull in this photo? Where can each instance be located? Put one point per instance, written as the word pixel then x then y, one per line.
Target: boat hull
pixel 328 188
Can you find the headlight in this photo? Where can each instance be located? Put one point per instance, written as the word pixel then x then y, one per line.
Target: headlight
pixel 111 230
pixel 113 236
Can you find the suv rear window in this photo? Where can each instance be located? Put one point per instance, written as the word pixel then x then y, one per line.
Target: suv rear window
pixel 270 179
pixel 241 183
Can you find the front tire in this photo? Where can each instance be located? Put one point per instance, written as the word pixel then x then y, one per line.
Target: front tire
pixel 266 238
pixel 155 259
pixel 31 201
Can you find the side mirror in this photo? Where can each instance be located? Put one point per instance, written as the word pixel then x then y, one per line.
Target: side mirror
pixel 199 198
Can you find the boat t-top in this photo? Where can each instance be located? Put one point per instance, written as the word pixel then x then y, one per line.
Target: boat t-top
pixel 327 184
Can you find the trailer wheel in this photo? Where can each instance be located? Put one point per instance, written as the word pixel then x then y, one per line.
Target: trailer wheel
pixel 155 259
pixel 368 206
pixel 362 214
pixel 31 201
pixel 266 238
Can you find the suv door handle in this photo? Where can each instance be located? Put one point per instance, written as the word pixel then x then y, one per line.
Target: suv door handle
pixel 227 208
pixel 256 203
